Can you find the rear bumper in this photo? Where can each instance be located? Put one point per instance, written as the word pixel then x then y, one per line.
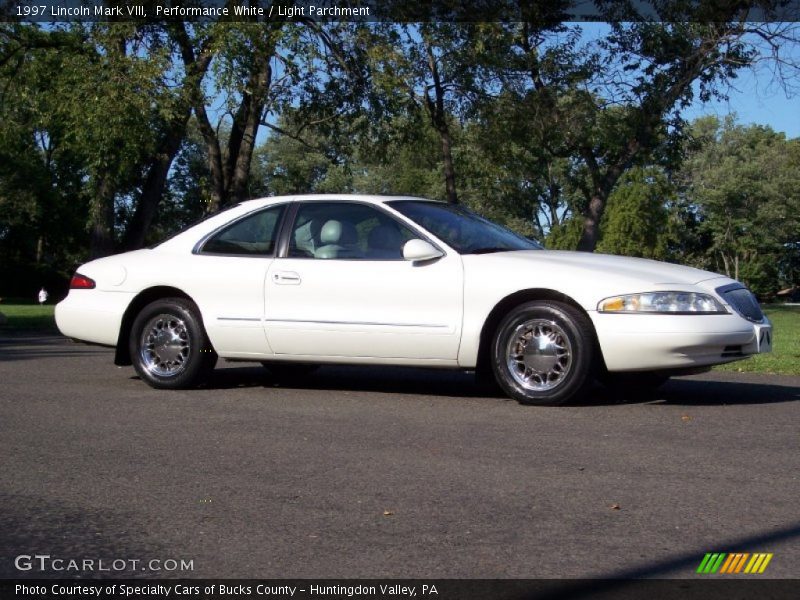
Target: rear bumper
pixel 658 342
pixel 92 315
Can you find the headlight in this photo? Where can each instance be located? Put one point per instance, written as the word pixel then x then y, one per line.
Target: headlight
pixel 663 302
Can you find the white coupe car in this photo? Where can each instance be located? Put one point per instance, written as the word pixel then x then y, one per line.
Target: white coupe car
pixel 294 282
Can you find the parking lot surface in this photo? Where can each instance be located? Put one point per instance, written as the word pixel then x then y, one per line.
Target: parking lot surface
pixel 372 472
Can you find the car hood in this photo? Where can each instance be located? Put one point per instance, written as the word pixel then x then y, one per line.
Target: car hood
pixel 585 277
pixel 640 270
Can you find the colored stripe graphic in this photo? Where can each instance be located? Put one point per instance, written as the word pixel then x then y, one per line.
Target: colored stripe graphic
pixel 760 563
pixel 711 562
pixel 734 562
pixel 742 560
pixel 727 564
pixel 703 563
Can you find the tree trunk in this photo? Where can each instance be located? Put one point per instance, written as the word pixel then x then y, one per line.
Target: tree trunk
pixel 591 222
pixel 195 66
pixel 230 171
pixel 102 220
pixel 436 111
pixel 726 264
pixel 218 195
pixel 153 189
pixel 449 167
pixel 261 81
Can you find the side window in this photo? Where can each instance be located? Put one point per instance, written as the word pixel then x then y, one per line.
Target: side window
pixel 346 230
pixel 253 235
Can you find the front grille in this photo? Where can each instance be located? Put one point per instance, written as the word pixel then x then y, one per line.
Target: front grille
pixel 742 301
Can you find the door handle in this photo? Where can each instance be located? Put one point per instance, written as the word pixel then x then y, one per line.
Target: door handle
pixel 286 278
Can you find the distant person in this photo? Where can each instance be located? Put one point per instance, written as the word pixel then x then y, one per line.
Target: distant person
pixel 43 296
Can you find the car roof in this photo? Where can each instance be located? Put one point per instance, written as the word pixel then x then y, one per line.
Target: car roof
pixel 189 237
pixel 366 198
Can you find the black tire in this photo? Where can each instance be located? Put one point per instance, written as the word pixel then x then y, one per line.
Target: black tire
pixel 555 373
pixel 633 385
pixel 187 358
pixel 289 371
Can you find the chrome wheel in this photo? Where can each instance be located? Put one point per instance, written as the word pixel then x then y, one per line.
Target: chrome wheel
pixel 539 355
pixel 164 345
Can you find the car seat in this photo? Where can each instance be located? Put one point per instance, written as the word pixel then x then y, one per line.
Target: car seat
pixel 338 239
pixel 306 238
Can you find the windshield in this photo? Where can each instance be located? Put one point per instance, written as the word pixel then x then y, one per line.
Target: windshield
pixel 462 229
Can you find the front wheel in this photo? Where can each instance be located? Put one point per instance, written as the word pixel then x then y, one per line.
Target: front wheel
pixel 169 346
pixel 543 353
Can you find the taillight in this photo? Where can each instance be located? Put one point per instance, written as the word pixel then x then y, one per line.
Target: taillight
pixel 81 282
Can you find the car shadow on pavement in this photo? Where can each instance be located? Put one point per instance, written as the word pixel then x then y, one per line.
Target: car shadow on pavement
pixel 389 380
pixel 694 392
pixel 405 380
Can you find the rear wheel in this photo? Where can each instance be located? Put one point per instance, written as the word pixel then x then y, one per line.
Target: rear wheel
pixel 543 353
pixel 168 345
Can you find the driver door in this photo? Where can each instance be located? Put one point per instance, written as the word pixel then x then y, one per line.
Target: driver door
pixel 343 290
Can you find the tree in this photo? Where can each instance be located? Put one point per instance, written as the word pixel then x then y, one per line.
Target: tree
pixel 427 67
pixel 286 165
pixel 94 89
pixel 615 104
pixel 745 185
pixel 635 222
pixel 175 103
pixel 263 68
pixel 132 125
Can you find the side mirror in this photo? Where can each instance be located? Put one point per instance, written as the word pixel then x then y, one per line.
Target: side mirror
pixel 420 250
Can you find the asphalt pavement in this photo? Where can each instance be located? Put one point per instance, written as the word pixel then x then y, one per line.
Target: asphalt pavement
pixel 379 472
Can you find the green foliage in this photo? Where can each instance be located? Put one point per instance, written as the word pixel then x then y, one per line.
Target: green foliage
pixel 635 220
pixel 286 165
pixel 745 185
pixel 535 125
pixel 565 235
pixel 42 201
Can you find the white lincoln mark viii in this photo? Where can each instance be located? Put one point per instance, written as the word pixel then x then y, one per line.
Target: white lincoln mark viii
pixel 294 282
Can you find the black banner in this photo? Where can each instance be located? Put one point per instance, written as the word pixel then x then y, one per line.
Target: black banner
pixel 395 589
pixel 396 10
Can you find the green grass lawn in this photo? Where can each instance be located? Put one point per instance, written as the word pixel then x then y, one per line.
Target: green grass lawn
pixel 27 316
pixel 785 356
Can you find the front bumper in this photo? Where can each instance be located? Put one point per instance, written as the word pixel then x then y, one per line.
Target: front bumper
pixel 639 342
